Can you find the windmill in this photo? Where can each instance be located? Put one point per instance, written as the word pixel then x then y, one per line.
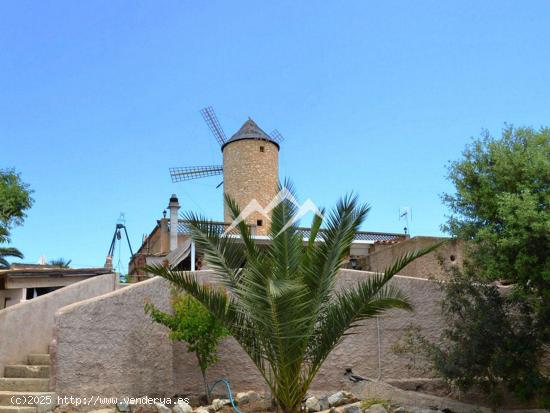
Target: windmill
pixel 187 173
pixel 250 164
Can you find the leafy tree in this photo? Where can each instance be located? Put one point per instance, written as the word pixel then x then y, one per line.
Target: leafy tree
pixel 502 205
pixel 15 199
pixel 192 322
pixel 61 262
pixel 489 342
pixel 279 301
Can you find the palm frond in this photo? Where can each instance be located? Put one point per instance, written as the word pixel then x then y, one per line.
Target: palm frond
pixel 369 298
pixel 10 252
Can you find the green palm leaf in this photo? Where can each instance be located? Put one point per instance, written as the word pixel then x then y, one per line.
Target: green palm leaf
pixel 8 252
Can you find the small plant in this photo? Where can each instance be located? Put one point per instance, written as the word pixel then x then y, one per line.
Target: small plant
pixel 193 324
pixel 365 404
pixel 416 348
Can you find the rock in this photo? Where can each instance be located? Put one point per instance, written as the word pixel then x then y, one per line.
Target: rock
pixel 106 410
pixel 140 405
pixel 201 410
pixel 333 410
pixel 323 403
pixel 253 396
pixel 400 409
pixel 218 404
pixel 182 407
pixel 354 408
pixel 313 405
pixel 122 406
pixel 376 408
pixel 161 408
pixel 242 398
pixel 340 398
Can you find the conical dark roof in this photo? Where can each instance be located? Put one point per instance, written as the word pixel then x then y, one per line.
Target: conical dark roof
pixel 250 130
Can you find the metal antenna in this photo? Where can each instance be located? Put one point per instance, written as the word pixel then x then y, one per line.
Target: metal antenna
pixel 193 172
pixel 276 136
pixel 405 213
pixel 212 121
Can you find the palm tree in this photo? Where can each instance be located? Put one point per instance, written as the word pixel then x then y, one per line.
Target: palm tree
pixel 60 262
pixel 280 302
pixel 8 252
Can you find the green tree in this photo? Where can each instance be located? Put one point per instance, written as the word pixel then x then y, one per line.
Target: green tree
pixel 279 301
pixel 15 199
pixel 61 262
pixel 489 342
pixel 192 323
pixel 501 207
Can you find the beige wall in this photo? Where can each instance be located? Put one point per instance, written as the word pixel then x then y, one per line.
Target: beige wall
pixel 10 297
pixel 27 327
pixel 108 346
pixel 427 266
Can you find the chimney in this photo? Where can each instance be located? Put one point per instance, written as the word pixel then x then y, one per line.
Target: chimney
pixel 174 207
pixel 164 236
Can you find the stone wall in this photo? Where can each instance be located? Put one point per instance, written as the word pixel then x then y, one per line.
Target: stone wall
pixel 27 327
pixel 248 174
pixel 108 346
pixel 427 266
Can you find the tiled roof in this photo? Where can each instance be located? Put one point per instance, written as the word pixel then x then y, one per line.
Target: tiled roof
pixel 250 130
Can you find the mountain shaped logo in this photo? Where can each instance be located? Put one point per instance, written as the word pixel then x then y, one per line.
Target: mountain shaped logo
pixel 284 194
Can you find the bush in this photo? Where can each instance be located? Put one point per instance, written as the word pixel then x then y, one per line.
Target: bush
pixel 193 324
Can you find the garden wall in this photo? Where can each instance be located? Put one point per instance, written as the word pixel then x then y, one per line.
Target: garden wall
pixel 108 346
pixel 427 266
pixel 27 327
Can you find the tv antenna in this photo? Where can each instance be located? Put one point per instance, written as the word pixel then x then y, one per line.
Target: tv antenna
pixel 405 214
pixel 117 238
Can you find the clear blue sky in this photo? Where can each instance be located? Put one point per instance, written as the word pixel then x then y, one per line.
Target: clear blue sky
pixel 99 98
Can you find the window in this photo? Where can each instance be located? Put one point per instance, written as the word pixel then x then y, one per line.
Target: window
pixel 262 149
pixel 259 222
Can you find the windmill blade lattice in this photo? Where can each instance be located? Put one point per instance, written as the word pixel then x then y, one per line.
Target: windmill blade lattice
pixel 211 120
pixel 194 172
pixel 276 136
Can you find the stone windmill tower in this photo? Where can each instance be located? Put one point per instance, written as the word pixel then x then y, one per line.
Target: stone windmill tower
pixel 250 167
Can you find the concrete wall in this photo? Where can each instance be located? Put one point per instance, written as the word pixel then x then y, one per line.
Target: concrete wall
pixel 427 266
pixel 27 327
pixel 108 346
pixel 11 297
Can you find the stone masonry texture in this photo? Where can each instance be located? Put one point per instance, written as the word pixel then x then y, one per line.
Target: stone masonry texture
pixel 250 173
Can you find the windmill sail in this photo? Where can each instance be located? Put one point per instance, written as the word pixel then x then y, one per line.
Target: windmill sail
pixel 211 120
pixel 276 136
pixel 194 172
